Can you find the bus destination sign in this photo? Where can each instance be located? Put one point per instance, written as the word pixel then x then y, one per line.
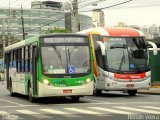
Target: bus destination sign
pixel 54 40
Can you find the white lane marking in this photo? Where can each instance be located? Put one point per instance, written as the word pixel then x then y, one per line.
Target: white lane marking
pixel 104 102
pixel 83 111
pixel 7 116
pixel 33 114
pixel 54 111
pixel 19 106
pixel 11 102
pixel 3 113
pixel 95 100
pixel 59 112
pixel 151 107
pixel 138 110
pixel 111 110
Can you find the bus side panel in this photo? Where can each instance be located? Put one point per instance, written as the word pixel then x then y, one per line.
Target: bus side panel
pixel 101 79
pixel 13 76
pixel 28 77
pixel 21 83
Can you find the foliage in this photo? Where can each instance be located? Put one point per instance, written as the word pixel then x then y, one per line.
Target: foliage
pixel 58 30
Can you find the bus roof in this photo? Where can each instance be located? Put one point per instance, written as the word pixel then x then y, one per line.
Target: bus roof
pixel 114 31
pixel 21 43
pixel 63 34
pixel 33 39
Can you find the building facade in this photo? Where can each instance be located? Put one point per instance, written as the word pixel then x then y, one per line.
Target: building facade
pixel 36 21
pixel 151 32
pixel 98 17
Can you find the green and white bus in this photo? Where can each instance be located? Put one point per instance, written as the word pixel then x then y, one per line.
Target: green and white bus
pixel 50 65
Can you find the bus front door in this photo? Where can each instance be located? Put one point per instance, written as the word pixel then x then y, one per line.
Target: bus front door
pixel 7 59
pixel 34 69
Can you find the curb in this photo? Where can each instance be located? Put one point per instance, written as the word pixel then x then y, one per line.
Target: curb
pixel 150 93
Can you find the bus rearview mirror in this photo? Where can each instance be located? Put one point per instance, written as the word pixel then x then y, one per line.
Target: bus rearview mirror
pixel 102 46
pixel 154 47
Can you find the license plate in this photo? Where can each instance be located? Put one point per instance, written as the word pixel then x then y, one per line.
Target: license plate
pixel 67 91
pixel 130 85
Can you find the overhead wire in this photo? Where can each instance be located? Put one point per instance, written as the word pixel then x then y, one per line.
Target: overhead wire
pixel 109 6
pixel 100 8
pixel 19 4
pixel 64 17
pixel 79 11
pixel 52 20
pixel 8 4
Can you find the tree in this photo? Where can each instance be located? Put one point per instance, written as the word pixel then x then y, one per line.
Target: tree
pixel 57 30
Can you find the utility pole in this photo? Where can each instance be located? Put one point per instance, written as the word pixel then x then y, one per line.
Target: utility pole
pixel 22 23
pixel 76 18
pixel 9 25
pixel 4 43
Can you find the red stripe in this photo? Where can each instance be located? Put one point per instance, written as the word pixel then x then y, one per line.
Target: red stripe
pixel 130 76
pixel 122 32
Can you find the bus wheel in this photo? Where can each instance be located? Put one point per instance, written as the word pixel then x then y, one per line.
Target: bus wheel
pixel 75 98
pixel 97 92
pixel 30 97
pixel 132 92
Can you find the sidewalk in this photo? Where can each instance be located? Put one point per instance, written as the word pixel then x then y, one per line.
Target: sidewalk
pixel 155 90
pixel 1 82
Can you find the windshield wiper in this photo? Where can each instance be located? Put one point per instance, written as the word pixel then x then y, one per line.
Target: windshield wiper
pixel 122 60
pixel 131 56
pixel 58 54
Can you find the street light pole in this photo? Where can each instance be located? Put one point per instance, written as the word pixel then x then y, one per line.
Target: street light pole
pixel 76 18
pixel 22 23
pixel 4 43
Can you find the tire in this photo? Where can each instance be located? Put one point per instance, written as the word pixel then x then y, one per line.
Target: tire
pixel 75 98
pixel 132 92
pixel 95 91
pixel 30 97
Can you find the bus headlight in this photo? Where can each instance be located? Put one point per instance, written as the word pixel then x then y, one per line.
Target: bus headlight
pixel 88 80
pixel 46 82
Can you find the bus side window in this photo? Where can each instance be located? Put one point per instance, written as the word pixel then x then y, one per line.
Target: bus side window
pixel 26 59
pixel 16 54
pixel 24 52
pixel 22 59
pixel 29 62
pixel 31 58
pixel 14 59
pixel 11 59
pixel 18 60
pixel 8 59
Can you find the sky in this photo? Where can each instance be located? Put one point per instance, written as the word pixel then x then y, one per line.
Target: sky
pixel 135 12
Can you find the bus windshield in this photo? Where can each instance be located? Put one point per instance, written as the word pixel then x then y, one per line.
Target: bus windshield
pixel 127 55
pixel 65 59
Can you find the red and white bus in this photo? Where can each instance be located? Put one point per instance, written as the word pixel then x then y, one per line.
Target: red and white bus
pixel 121 59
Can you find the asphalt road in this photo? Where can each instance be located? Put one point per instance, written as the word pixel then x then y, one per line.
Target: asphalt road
pixel 108 106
